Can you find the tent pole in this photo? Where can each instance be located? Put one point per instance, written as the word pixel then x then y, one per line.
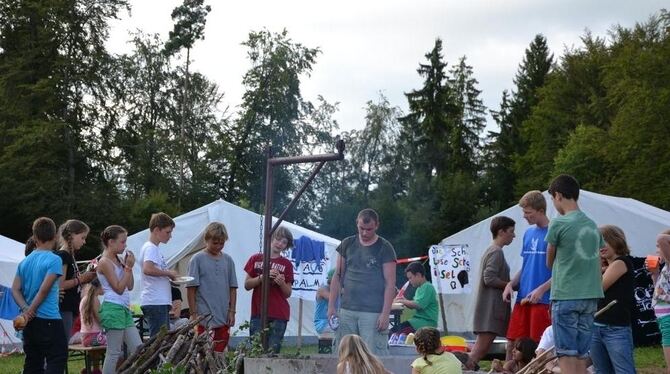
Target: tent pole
pixel 299 323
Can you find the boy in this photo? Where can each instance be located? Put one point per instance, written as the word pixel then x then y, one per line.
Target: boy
pixel 156 296
pixel 530 316
pixel 573 255
pixel 281 278
pixel 213 289
pixel 35 290
pixel 425 301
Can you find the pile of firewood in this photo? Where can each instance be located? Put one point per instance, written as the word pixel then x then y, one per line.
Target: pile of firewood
pixel 181 348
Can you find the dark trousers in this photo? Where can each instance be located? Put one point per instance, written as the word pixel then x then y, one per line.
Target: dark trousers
pixel 44 341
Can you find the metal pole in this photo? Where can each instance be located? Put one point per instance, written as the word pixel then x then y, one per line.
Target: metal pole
pixel 265 285
pixel 297 195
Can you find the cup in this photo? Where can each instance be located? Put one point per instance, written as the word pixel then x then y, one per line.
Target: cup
pixel 652 262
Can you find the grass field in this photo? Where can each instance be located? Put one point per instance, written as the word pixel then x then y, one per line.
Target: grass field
pixel 648 360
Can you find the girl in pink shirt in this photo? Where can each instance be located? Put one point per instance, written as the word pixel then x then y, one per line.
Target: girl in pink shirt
pixel 91 332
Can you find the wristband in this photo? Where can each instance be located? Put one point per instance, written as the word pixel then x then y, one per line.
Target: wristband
pixel 24 308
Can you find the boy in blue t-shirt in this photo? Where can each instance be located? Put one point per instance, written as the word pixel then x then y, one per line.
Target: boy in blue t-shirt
pixel 530 316
pixel 35 290
pixel 576 285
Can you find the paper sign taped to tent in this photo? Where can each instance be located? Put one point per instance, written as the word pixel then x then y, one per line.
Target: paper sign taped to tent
pixel 310 267
pixel 450 268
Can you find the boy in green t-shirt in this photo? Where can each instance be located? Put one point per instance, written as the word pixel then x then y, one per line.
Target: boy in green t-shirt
pixel 425 301
pixel 573 255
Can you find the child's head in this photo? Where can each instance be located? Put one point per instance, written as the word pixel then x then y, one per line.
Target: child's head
pixel 352 349
pixel 524 350
pixel 615 242
pixel 160 227
pixel 72 234
pixel 663 245
pixel 427 341
pixel 416 274
pixel 502 225
pixel 30 246
pixel 281 239
pixel 216 236
pixel 533 205
pixel 44 232
pixel 114 238
pixel 563 187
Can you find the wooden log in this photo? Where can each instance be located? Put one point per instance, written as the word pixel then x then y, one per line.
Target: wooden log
pixel 175 348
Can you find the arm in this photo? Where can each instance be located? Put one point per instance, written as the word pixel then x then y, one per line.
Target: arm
pixel 118 285
pixel 18 296
pixel 44 290
pixel 252 282
pixel 509 288
pixel 322 293
pixel 231 306
pixel 286 287
pixel 190 296
pixel 389 294
pixel 176 308
pixel 336 285
pixel 551 255
pixel 537 293
pixel 613 273
pixel 150 268
pixel 96 310
pixel 69 283
pixel 490 274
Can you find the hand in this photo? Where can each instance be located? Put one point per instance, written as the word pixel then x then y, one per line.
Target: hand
pixel 231 318
pixel 130 259
pixel 29 314
pixel 172 274
pixel 279 279
pixel 273 273
pixel 383 322
pixel 507 293
pixel 653 270
pixel 330 313
pixel 535 296
pixel 496 365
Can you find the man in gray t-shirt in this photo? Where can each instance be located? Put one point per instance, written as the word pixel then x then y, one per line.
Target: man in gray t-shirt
pixel 365 271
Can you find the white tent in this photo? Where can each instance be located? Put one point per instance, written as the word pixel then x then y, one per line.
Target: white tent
pixel 11 253
pixel 244 240
pixel 640 222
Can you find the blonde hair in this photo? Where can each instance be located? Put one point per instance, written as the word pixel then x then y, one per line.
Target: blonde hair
pixel 216 231
pixel 354 352
pixel 534 200
pixel 427 341
pixel 88 314
pixel 616 239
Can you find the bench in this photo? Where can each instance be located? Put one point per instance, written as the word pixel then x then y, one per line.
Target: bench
pixel 79 349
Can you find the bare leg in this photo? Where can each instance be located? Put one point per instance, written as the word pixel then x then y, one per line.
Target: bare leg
pixel 570 364
pixel 481 348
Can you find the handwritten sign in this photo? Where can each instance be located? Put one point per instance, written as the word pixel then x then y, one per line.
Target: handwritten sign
pixel 450 268
pixel 308 277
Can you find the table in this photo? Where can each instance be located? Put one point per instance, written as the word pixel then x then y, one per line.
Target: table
pixel 86 351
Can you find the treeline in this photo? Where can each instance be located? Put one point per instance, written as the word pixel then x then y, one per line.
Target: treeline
pixel 111 138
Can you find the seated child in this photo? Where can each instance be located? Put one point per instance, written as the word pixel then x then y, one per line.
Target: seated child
pixel 321 309
pixel 175 311
pixel 434 359
pixel 91 332
pixel 523 353
pixel 355 357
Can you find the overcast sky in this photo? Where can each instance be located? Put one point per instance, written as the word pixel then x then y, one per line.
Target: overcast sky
pixel 370 46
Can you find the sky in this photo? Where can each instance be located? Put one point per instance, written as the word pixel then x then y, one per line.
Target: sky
pixel 372 46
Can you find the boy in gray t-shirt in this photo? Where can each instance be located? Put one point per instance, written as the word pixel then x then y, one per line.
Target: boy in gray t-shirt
pixel 213 289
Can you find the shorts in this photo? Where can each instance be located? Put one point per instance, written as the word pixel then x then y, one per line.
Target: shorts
pixel 528 321
pixel 219 335
pixel 572 322
pixel 664 326
pixel 115 316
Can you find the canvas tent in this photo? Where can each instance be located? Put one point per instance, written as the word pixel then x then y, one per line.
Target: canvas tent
pixel 11 253
pixel 640 222
pixel 244 240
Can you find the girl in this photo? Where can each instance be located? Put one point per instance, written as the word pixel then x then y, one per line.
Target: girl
pixel 116 278
pixel 522 354
pixel 661 298
pixel 433 360
pixel 72 236
pixel 612 337
pixel 356 358
pixel 91 332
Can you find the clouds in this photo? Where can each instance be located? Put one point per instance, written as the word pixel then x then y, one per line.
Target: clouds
pixel 370 45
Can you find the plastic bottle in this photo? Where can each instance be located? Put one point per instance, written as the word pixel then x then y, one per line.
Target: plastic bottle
pixel 334 322
pixel 401 338
pixel 410 339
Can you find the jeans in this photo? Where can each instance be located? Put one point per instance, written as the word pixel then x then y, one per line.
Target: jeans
pixel 363 324
pixel 277 328
pixel 612 349
pixel 572 322
pixel 44 339
pixel 156 316
pixel 115 340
